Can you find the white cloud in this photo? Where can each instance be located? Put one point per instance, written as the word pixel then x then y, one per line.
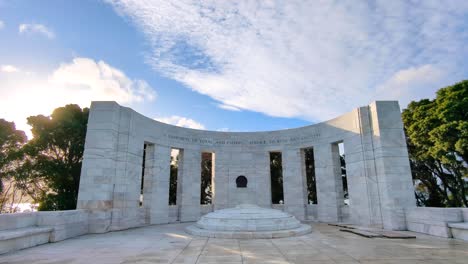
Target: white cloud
pixel 8 69
pixel 2 24
pixel 311 59
pixel 101 81
pixel 36 29
pixel 412 83
pixel 181 121
pixel 79 82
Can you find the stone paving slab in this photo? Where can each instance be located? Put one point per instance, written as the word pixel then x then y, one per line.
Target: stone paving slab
pixel 170 244
pixel 363 233
pixel 396 235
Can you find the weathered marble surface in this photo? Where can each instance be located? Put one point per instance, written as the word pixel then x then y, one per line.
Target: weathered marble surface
pixel 170 244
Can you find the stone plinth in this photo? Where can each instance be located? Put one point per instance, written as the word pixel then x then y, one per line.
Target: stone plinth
pixel 248 221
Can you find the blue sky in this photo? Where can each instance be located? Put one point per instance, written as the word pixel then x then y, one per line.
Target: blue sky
pixel 221 65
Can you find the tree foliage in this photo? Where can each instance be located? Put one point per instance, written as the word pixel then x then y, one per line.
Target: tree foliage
pixel 206 178
pixel 56 154
pixel 12 182
pixel 344 178
pixel 173 180
pixel 276 173
pixel 437 136
pixel 11 141
pixel 310 175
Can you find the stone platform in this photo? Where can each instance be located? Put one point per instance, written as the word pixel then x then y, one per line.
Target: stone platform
pixel 247 222
pixel 170 244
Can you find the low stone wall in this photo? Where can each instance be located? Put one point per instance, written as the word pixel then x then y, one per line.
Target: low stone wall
pixel 65 224
pixel 18 220
pixel 434 221
pixel 24 230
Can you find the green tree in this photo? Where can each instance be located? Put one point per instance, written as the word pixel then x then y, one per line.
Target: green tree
pixel 276 174
pixel 206 178
pixel 310 175
pixel 437 136
pixel 56 154
pixel 11 142
pixel 173 180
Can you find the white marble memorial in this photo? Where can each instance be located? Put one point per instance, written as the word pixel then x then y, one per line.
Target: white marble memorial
pixel 379 178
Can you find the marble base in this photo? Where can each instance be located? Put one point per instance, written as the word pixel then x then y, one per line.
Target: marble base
pixel 299 231
pixel 248 222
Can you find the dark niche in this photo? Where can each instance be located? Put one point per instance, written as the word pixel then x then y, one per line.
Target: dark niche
pixel 241 182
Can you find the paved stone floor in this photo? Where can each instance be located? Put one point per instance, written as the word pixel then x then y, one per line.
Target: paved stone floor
pixel 170 244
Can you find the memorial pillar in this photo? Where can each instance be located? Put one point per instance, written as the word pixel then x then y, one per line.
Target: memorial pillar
pixel 221 180
pixel 126 211
pixel 294 186
pixel 364 200
pixel 99 161
pixel 329 184
pixel 263 178
pixel 190 181
pixel 156 183
pixel 392 164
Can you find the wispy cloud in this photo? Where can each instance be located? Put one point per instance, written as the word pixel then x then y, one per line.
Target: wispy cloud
pixel 79 81
pixel 2 24
pixel 181 121
pixel 310 59
pixel 414 82
pixel 36 29
pixel 8 69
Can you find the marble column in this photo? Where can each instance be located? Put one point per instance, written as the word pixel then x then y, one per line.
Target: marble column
pixel 156 183
pixel 190 181
pixel 221 180
pixel 99 161
pixel 329 184
pixel 294 185
pixel 364 198
pixel 392 164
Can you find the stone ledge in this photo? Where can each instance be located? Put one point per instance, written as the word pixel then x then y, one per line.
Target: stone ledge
pixel 23 232
pixel 462 225
pixel 16 239
pixel 299 231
